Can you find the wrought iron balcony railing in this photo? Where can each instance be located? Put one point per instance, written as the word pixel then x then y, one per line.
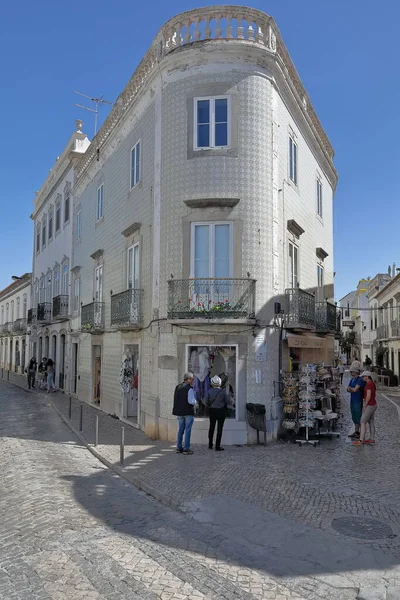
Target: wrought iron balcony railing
pixel 44 312
pixel 326 317
pixel 299 309
pixel 126 308
pixel 60 307
pixel 395 325
pixel 32 316
pixel 382 332
pixel 211 298
pixel 92 317
pixel 19 326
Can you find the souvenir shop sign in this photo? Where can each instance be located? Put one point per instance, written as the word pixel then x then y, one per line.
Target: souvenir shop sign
pixel 300 341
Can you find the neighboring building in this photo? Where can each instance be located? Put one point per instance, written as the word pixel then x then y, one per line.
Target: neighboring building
pixel 369 337
pixel 52 300
pixel 205 195
pixel 15 301
pixel 386 348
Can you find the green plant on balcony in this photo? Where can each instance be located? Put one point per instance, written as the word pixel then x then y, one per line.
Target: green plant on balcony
pixel 87 327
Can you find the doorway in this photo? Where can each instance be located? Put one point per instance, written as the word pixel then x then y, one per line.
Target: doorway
pixel 10 357
pixel 62 362
pixel 130 381
pixel 23 355
pixel 47 346
pixel 96 374
pixel 17 356
pixel 75 368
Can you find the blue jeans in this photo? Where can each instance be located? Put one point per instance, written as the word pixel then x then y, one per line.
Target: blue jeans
pixel 185 427
pixel 50 381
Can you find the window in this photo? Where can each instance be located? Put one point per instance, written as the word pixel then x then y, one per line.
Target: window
pixel 100 202
pixel 24 306
pixel 12 311
pixel 292 160
pixel 42 290
pixel 135 165
pixel 66 206
pixel 44 233
pixel 64 283
pixel 77 293
pixel 37 239
pixel 58 217
pixel 211 122
pixel 18 307
pixel 7 312
pixel 36 293
pixel 133 267
pixel 320 276
pixel 293 266
pixel 2 315
pixel 78 224
pixel 319 197
pixel 48 286
pixel 56 283
pixel 50 225
pixel 211 250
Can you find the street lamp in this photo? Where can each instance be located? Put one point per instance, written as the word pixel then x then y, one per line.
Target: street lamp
pixel 15 277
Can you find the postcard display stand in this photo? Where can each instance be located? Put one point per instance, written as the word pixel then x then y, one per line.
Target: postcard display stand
pixel 307 402
pixel 330 405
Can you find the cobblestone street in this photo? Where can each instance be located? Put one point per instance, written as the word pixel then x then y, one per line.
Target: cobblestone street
pixel 254 523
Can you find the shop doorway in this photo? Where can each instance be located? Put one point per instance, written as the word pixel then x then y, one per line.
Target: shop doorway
pixel 17 356
pixel 96 350
pixel 205 362
pixel 10 358
pixel 129 381
pixel 75 368
pixel 62 362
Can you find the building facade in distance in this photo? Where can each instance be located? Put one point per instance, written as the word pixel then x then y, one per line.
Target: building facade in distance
pixel 203 201
pixel 15 302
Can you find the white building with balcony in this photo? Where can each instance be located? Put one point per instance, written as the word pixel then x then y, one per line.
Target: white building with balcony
pixel 15 302
pixel 205 198
pixel 52 297
pixel 386 319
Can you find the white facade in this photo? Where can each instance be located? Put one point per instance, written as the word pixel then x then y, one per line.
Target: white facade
pixel 52 257
pixel 386 318
pixel 206 194
pixel 15 302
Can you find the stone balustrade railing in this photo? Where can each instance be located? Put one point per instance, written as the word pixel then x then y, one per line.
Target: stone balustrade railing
pixel 228 22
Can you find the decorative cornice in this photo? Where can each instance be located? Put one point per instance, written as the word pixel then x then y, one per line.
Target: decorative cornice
pixel 75 269
pixel 212 202
pixel 131 229
pixel 19 284
pixel 320 252
pixel 294 228
pixel 97 254
pixel 192 28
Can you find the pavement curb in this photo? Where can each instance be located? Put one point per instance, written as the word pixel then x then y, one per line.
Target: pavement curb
pixel 132 479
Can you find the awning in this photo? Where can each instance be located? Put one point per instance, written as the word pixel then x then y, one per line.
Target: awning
pixel 305 341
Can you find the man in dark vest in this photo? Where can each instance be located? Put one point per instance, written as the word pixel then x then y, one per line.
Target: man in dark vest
pixel 184 403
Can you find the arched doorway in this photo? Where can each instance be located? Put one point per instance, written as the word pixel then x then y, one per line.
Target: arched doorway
pixel 40 351
pixel 23 355
pixel 46 346
pixel 17 356
pixel 62 362
pixel 10 356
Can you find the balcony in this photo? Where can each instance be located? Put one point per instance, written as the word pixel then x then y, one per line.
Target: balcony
pixel 382 332
pixel 92 317
pixel 44 313
pixel 299 309
pixel 5 329
pixel 32 316
pixel 126 309
pixel 326 317
pixel 19 326
pixel 60 308
pixel 211 299
pixel 395 325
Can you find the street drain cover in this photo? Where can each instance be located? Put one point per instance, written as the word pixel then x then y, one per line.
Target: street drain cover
pixel 362 528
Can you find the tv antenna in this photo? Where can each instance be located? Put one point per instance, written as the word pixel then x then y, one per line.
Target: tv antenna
pixel 95 110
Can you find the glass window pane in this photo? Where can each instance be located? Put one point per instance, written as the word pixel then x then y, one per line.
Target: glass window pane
pixel 130 267
pixel 203 111
pixel 222 254
pixel 136 267
pixel 221 111
pixel 221 134
pixel 201 251
pixel 137 163
pixel 133 166
pixel 203 136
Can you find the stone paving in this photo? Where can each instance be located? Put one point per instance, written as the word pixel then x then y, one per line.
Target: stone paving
pixel 260 517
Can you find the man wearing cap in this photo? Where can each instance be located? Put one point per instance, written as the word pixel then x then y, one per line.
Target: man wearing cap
pixel 356 389
pixel 184 403
pixel 218 402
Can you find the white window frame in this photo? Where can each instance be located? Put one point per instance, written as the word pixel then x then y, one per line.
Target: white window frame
pixel 137 245
pixel 320 270
pixel 18 309
pixel 12 311
pixel 56 282
pixel 38 237
pixel 135 177
pixel 294 162
pixel 100 202
pixel 211 240
pixel 212 145
pixel 24 306
pixel 44 230
pixel 50 219
pixel 65 279
pixel 2 315
pixel 77 293
pixel 57 207
pixel 78 225
pixel 49 286
pixel 319 193
pixel 67 196
pixel 293 282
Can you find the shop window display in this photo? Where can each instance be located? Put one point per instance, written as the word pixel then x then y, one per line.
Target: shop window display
pixel 205 362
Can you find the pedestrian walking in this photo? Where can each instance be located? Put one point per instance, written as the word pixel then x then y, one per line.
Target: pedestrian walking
pixel 184 403
pixel 368 411
pixel 43 373
pixel 31 371
pixel 367 362
pixel 356 389
pixel 51 386
pixel 341 370
pixel 218 402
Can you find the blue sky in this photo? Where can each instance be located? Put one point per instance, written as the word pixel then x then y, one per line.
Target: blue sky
pixel 346 54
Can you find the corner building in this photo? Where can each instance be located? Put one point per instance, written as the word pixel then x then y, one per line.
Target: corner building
pixel 205 198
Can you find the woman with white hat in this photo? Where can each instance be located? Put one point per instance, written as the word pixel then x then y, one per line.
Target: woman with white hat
pixel 368 411
pixel 218 402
